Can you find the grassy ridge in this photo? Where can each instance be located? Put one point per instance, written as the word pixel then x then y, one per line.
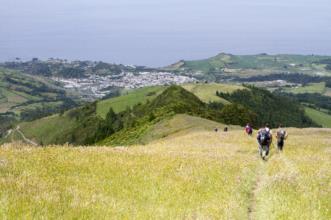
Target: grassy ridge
pixel 204 175
pixel 54 129
pixel 205 92
pixel 252 65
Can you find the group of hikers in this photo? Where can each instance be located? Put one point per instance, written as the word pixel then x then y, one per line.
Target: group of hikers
pixel 264 138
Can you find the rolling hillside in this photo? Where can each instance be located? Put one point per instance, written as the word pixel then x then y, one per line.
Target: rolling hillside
pixel 57 128
pixel 149 108
pixel 192 175
pixel 21 93
pixel 251 65
pixel 205 92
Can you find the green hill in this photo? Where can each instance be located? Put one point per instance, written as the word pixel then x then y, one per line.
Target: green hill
pixel 25 98
pixel 137 114
pixel 252 65
pixel 59 129
pixel 137 122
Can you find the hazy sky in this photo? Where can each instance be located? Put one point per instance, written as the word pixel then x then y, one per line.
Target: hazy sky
pixel 160 32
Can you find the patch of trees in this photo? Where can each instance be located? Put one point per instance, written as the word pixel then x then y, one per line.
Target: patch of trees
pixel 7 121
pixel 109 126
pixel 269 108
pixel 236 114
pixel 33 67
pixel 46 110
pixel 314 99
pixel 34 89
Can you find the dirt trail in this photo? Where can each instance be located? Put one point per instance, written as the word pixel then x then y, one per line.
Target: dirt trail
pixel 25 138
pixel 255 189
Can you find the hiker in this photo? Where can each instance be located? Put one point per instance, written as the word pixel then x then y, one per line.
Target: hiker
pixel 249 129
pixel 264 139
pixel 281 137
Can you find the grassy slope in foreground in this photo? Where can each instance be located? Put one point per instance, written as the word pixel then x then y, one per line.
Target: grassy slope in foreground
pixel 198 175
pixel 319 117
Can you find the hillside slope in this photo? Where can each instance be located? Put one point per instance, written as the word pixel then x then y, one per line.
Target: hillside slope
pixel 20 93
pixel 204 175
pixel 253 65
pixel 58 128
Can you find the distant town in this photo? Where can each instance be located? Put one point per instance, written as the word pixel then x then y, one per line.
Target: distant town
pixel 99 86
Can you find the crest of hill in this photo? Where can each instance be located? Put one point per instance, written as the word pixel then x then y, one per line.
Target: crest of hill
pixel 176 96
pixel 173 101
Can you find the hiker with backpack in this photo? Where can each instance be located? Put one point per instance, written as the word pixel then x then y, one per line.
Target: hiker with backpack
pixel 249 129
pixel 281 137
pixel 264 139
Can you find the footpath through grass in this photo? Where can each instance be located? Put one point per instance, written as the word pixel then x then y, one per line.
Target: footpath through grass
pixel 200 175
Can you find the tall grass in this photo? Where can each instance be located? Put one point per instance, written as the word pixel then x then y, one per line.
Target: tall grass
pixel 198 175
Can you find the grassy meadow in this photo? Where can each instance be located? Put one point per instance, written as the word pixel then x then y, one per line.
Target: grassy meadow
pixel 194 175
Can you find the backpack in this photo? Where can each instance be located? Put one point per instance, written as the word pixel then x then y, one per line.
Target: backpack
pixel 281 135
pixel 264 137
pixel 249 130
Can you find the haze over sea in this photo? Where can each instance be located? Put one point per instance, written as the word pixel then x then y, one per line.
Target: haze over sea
pixel 160 32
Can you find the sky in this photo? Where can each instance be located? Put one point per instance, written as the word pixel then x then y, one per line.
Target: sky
pixel 160 32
